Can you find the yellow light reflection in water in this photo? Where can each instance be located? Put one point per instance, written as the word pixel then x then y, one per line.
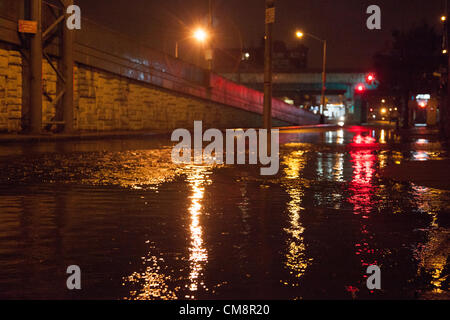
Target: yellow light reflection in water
pixel 338 169
pixel 432 258
pixel 198 254
pixel 296 259
pixel 382 159
pixel 433 254
pixel 383 137
pixel 152 284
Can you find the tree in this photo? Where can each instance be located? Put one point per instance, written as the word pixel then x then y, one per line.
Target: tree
pixel 408 65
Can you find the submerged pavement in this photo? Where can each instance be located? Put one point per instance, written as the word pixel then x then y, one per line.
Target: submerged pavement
pixel 141 227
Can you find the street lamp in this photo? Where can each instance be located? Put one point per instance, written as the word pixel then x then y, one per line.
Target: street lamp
pixel 199 34
pixel 300 35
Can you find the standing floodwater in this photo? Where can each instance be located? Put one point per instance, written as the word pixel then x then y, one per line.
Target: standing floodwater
pixel 141 227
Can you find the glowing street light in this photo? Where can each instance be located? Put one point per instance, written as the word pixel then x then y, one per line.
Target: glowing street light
pixel 444 18
pixel 299 34
pixel 200 35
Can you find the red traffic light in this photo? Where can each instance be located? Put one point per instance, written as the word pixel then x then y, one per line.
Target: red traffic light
pixel 370 78
pixel 360 88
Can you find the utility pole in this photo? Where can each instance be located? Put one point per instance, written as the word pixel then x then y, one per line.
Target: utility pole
pixel 210 54
pixel 445 118
pixel 324 77
pixel 270 20
pixel 67 72
pixel 36 69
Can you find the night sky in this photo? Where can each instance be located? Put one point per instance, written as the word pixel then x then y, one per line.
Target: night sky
pixel 241 23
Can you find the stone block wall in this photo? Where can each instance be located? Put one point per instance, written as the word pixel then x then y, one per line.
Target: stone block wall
pixel 105 102
pixel 10 90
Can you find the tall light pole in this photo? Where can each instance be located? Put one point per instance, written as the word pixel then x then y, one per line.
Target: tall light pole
pixel 300 35
pixel 209 51
pixel 270 20
pixel 445 120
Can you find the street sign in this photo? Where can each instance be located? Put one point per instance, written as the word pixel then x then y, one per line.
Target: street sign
pixel 270 15
pixel 27 26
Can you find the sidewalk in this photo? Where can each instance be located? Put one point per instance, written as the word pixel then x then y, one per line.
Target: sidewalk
pixel 4 138
pixel 433 173
pixel 19 137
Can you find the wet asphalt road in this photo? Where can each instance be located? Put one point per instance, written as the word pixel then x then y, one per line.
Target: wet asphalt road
pixel 141 227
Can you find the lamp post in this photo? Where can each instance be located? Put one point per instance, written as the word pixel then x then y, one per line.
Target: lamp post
pixel 300 35
pixel 268 54
pixel 210 50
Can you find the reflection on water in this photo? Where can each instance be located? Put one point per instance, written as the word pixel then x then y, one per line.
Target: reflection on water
pixel 142 228
pixel 433 256
pixel 362 198
pixel 198 254
pixel 153 283
pixel 296 259
pixel 383 137
pixel 330 166
pixel 150 284
pixel 433 259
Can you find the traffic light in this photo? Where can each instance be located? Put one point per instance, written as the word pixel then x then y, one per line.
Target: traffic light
pixel 370 78
pixel 360 88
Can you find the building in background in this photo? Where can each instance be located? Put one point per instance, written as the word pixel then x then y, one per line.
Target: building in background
pixel 285 60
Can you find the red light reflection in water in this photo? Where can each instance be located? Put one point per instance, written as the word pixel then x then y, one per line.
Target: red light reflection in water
pixel 362 198
pixel 364 142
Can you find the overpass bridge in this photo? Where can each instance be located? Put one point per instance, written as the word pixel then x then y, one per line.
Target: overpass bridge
pixel 304 89
pixel 96 79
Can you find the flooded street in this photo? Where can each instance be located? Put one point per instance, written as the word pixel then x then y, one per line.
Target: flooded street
pixel 141 227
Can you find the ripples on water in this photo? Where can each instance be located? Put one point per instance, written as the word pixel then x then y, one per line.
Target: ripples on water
pixel 142 228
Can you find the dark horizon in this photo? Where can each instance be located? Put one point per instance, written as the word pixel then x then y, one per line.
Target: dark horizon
pixel 350 42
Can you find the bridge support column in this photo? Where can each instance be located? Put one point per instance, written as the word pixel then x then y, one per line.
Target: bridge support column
pixel 36 69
